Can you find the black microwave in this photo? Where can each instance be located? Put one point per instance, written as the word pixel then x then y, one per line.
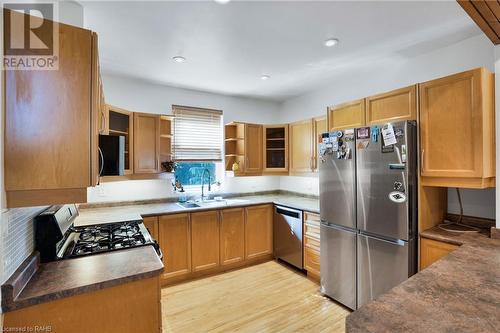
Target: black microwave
pixel 112 155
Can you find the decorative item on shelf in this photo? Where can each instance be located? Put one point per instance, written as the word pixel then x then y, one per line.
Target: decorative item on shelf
pixel 236 166
pixel 169 166
pixel 177 185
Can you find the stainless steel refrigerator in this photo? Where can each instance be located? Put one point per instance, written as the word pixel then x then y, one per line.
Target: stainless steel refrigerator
pixel 368 210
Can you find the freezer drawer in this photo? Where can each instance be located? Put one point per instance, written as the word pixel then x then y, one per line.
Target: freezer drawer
pixel 287 235
pixel 382 265
pixel 338 264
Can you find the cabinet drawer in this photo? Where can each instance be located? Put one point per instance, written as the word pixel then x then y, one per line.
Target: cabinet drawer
pixel 312 242
pixel 312 218
pixel 311 261
pixel 311 230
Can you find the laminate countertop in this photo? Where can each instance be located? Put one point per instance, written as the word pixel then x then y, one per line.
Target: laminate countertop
pixel 115 213
pixel 35 283
pixel 458 293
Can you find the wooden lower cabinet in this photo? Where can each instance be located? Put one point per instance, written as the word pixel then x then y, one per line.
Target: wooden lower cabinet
pixel 174 237
pixel 258 231
pixel 205 240
pixel 432 250
pixel 312 245
pixel 151 223
pixel 203 243
pixel 232 236
pixel 126 308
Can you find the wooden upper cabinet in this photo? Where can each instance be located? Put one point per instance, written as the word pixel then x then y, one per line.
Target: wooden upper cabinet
pixel 49 122
pixel 258 231
pixel 253 149
pixel 205 240
pixel 301 146
pixel 319 127
pixel 457 130
pixel 396 105
pixel 174 238
pixel 275 148
pixel 146 143
pixel 232 236
pixel 347 115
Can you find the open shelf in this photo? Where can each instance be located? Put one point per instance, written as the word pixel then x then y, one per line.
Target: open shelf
pixel 275 148
pixel 113 131
pixel 234 145
pixel 166 137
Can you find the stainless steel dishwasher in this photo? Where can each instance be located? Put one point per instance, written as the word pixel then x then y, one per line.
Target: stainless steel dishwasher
pixel 288 235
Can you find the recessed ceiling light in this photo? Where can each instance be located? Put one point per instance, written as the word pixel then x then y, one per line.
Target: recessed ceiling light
pixel 265 77
pixel 222 2
pixel 331 42
pixel 179 59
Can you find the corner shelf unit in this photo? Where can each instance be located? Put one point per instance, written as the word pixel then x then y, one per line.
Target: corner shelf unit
pixel 234 146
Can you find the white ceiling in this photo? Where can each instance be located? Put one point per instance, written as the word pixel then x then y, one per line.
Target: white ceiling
pixel 228 47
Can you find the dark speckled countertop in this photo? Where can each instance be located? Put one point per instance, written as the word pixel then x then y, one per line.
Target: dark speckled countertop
pixel 458 293
pixel 35 283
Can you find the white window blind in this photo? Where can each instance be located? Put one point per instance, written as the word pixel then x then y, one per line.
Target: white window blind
pixel 197 134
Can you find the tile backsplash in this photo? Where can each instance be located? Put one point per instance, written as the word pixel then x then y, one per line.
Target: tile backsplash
pixel 17 238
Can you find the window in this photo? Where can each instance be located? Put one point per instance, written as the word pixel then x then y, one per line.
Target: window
pixel 197 134
pixel 190 173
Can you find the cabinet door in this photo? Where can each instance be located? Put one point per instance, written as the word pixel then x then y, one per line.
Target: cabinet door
pixel 151 223
pixel 320 126
pixel 396 105
pixel 96 113
pixel 431 251
pixel 258 231
pixel 48 117
pixel 205 240
pixel 174 237
pixel 253 149
pixel 146 143
pixel 348 115
pixel 301 146
pixel 232 236
pixel 451 126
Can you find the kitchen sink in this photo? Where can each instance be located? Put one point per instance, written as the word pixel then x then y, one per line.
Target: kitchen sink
pixel 188 204
pixel 211 203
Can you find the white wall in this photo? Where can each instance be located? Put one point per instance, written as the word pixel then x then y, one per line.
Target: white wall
pixel 470 53
pixel 142 96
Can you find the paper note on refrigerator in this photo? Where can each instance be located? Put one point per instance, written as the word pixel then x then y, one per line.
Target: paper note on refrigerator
pixel 388 135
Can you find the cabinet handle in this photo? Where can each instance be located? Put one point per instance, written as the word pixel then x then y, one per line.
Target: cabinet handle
pixel 422 168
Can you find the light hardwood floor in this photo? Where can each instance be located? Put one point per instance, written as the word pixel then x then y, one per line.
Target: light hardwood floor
pixel 264 298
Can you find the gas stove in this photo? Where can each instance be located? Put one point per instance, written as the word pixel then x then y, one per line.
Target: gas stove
pixel 57 238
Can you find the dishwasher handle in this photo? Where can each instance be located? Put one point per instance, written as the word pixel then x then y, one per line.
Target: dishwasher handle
pixel 297 214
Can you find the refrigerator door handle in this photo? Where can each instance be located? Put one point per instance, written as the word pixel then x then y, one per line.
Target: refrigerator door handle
pixel 398 242
pixel 338 227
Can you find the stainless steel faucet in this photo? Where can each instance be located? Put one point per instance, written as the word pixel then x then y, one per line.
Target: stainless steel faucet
pixel 203 183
